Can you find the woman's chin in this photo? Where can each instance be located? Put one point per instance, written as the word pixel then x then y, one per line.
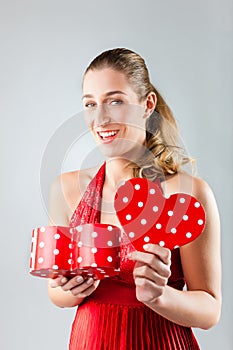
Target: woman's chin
pixel 120 152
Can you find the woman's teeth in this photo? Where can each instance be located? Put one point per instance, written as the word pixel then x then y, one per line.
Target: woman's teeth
pixel 105 134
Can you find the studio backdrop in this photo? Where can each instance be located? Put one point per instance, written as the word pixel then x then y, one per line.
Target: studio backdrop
pixel 45 48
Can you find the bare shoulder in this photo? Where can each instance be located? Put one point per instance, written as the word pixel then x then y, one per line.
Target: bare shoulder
pixel 67 189
pixel 185 183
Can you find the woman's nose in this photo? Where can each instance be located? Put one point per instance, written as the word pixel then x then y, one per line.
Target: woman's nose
pixel 102 116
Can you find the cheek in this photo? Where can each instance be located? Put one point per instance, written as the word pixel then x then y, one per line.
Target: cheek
pixel 137 129
pixel 89 117
pixel 130 114
pixel 139 135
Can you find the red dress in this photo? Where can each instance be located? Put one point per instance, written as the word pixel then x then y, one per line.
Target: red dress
pixel 111 318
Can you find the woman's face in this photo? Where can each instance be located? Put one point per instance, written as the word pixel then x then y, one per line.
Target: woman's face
pixel 113 112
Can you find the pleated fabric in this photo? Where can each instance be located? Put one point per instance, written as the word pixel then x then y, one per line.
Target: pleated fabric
pixel 112 318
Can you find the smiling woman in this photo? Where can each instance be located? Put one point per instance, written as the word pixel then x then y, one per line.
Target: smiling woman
pixel 113 112
pixel 147 307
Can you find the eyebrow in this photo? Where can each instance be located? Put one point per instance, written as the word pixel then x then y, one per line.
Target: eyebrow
pixel 110 93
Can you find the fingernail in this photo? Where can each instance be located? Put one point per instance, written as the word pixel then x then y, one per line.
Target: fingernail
pixel 53 284
pixel 90 281
pixel 79 279
pixel 145 247
pixel 129 256
pixel 64 280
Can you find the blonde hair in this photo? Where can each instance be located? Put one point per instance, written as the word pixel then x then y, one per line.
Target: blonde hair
pixel 162 156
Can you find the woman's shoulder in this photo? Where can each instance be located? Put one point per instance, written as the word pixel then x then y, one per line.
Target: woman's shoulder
pixel 73 178
pixel 70 186
pixel 185 183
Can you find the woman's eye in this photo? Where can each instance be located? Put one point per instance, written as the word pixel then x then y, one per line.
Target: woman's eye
pixel 90 105
pixel 116 102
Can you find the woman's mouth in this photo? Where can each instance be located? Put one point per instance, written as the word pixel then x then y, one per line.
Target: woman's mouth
pixel 107 136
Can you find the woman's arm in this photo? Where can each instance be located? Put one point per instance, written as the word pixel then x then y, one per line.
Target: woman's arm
pixel 64 292
pixel 200 305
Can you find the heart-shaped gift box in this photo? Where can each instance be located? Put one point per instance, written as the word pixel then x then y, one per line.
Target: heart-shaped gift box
pixel 88 250
pixel 148 217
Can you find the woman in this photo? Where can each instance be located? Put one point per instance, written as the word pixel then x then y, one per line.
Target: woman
pixel 147 307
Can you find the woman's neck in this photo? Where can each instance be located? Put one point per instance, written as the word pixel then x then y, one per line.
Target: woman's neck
pixel 117 170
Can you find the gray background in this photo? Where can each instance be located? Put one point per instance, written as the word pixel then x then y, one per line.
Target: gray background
pixel 45 46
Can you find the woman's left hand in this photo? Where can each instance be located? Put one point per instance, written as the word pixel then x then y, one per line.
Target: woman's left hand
pixel 151 271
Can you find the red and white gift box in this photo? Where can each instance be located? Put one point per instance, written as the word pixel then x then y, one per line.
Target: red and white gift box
pixel 89 249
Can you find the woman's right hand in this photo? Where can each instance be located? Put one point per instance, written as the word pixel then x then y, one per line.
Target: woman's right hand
pixel 66 292
pixel 78 286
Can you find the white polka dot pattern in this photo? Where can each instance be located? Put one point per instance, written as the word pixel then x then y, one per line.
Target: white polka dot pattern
pixel 56 252
pixel 89 250
pixel 148 216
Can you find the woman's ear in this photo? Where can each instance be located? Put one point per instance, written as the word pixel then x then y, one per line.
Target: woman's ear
pixel 150 102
